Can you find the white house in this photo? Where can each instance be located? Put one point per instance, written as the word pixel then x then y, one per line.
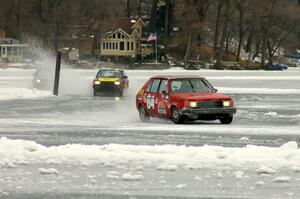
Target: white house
pixel 11 50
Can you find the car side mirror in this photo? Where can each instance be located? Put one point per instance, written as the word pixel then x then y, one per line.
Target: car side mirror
pixel 215 90
pixel 125 77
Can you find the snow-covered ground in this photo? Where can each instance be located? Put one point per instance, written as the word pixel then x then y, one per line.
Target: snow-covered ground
pixel 161 157
pixel 75 143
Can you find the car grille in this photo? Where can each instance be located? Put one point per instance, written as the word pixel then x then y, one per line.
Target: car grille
pixel 210 104
pixel 107 84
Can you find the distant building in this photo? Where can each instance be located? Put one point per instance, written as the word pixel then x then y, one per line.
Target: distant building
pixel 125 39
pixel 11 50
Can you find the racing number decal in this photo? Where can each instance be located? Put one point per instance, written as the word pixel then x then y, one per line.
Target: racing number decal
pixel 150 102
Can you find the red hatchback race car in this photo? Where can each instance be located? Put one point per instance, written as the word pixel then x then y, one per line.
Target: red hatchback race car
pixel 183 98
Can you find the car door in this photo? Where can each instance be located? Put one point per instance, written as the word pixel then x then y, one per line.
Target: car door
pixel 162 99
pixel 151 97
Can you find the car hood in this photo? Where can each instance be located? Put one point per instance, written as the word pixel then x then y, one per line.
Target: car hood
pixel 108 79
pixel 199 96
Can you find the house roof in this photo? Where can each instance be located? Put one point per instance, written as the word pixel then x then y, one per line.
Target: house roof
pixel 125 24
pixel 9 41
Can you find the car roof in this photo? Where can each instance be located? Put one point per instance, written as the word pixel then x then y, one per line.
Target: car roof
pixel 177 77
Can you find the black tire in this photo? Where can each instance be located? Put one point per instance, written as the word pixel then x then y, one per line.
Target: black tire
pixel 227 119
pixel 144 115
pixel 121 92
pixel 176 117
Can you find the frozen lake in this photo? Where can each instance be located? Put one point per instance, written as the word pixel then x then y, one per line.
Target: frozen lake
pixel 268 116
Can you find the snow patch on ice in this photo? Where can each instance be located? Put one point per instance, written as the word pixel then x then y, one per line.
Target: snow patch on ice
pixel 167 167
pixel 265 170
pixel 295 169
pixel 49 171
pixel 244 139
pixel 181 186
pixel 22 93
pixel 162 157
pixel 239 174
pixel 260 184
pixel 271 113
pixel 132 177
pixel 282 179
pixel 290 146
pixel 258 90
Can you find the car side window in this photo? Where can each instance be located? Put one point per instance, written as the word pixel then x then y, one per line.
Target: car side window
pixel 163 86
pixel 153 86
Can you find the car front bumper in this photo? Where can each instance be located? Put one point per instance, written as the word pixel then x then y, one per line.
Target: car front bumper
pixel 107 87
pixel 208 111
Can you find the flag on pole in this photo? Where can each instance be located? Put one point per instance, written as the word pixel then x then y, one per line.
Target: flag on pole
pixel 152 37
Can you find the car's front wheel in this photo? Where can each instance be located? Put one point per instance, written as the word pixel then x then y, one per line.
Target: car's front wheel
pixel 227 119
pixel 121 92
pixel 177 118
pixel 96 93
pixel 144 115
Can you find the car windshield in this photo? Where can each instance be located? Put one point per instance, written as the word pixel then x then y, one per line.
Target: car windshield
pixel 108 73
pixel 189 86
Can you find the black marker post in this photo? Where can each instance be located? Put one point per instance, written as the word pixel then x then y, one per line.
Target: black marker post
pixel 57 72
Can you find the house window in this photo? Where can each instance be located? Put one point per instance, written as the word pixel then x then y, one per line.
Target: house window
pixel 110 45
pixel 122 45
pixel 114 35
pixel 117 47
pixel 14 51
pixel 128 45
pixel 119 35
pixel 106 43
pixel 9 51
pixel 132 45
pixel 103 45
pixel 113 45
pixel 137 46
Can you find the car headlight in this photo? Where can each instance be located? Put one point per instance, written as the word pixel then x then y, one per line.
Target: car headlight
pixel 117 83
pixel 191 104
pixel 227 103
pixel 97 82
pixel 38 81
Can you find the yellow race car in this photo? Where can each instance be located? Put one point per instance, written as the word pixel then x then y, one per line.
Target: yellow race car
pixel 111 81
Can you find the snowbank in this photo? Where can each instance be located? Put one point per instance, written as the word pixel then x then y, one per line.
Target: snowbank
pixel 14 153
pixel 258 90
pixel 22 93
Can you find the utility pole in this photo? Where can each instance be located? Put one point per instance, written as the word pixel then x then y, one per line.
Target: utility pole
pixel 57 73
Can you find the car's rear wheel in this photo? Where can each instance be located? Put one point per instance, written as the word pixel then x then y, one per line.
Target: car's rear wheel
pixel 177 118
pixel 144 115
pixel 227 119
